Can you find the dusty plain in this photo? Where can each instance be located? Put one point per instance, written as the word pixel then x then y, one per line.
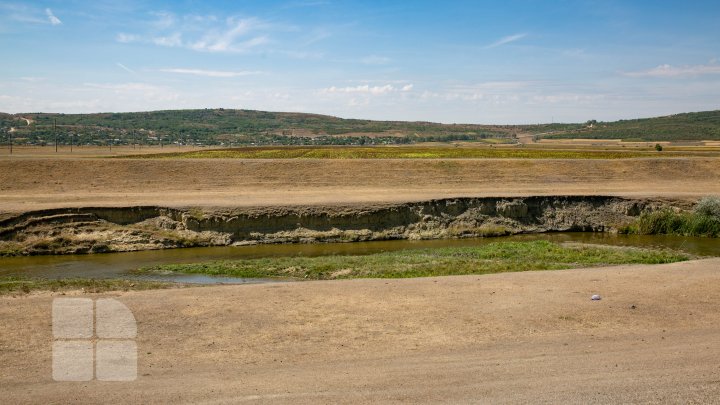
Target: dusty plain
pixel 32 179
pixel 504 338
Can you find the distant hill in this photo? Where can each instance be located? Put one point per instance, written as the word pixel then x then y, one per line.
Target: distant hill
pixel 689 126
pixel 235 127
pixel 247 127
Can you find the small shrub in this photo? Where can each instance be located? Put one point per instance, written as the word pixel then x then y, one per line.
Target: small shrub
pixel 658 147
pixel 708 206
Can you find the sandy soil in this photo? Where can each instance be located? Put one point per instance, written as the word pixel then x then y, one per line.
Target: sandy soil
pixel 38 183
pixel 515 337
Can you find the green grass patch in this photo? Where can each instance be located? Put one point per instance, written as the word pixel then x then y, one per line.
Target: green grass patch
pixel 491 258
pixel 402 152
pixel 668 222
pixel 20 285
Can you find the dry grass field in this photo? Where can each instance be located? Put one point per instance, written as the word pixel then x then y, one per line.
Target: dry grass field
pixel 34 179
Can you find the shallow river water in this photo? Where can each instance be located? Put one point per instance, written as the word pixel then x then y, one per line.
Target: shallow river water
pixel 120 265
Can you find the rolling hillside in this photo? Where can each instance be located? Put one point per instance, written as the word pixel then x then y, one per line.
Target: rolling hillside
pixel 688 126
pixel 247 127
pixel 235 127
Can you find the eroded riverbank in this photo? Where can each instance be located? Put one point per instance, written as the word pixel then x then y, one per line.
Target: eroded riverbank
pixel 122 229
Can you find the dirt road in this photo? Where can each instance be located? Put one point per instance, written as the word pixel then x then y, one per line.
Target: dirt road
pixel 513 337
pixel 33 183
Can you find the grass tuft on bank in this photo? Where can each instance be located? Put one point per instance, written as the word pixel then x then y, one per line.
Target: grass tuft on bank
pixel 492 258
pixel 703 220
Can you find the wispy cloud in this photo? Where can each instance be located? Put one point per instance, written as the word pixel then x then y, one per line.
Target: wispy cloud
pixel 213 73
pixel 677 71
pixel 202 33
pixel 51 17
pixel 126 38
pixel 297 4
pixel 229 39
pixel 125 68
pixel 367 89
pixel 375 60
pixel 506 40
pixel 32 79
pixel 28 14
pixel 172 40
pixel 317 37
pixel 123 86
pixel 164 20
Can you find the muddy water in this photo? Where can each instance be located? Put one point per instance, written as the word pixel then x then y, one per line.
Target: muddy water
pixel 120 265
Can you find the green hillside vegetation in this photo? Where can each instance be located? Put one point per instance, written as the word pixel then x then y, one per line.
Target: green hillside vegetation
pixel 689 126
pixel 237 127
pixel 246 127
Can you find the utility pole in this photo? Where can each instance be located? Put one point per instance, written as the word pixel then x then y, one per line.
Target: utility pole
pixel 9 137
pixel 71 141
pixel 55 132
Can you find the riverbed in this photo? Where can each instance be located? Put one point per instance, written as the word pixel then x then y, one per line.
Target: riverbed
pixel 121 265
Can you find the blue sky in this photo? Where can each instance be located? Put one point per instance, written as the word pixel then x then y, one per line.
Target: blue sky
pixel 451 61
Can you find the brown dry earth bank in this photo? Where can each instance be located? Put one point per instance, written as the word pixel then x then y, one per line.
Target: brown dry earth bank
pixel 42 183
pixel 503 338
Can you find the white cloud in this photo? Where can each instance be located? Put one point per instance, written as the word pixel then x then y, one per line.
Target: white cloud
pixel 506 40
pixel 375 60
pixel 567 98
pixel 51 17
pixel 28 14
pixel 318 35
pixel 212 73
pixel 164 20
pixel 202 33
pixel 169 41
pixel 297 4
pixel 122 86
pixel 125 68
pixel 131 93
pixel 228 40
pixel 677 71
pixel 367 89
pixel 126 38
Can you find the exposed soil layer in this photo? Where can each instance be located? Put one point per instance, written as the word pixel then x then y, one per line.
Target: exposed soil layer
pixel 106 229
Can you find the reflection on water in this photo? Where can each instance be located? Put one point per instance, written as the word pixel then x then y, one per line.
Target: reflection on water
pixel 118 265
